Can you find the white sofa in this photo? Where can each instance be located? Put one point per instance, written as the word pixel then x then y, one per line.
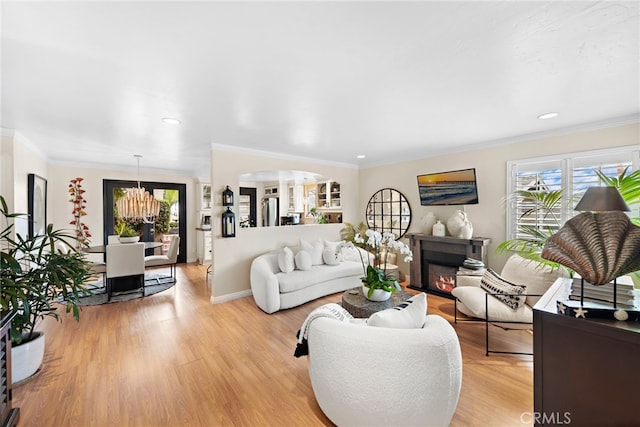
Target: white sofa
pixel 275 290
pixel 381 376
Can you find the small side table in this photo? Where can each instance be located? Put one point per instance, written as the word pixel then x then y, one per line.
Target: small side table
pixel 359 306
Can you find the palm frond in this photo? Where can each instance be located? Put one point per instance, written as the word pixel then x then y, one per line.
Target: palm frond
pixel 627 184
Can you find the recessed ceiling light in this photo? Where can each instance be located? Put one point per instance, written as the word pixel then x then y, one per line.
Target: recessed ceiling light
pixel 548 116
pixel 170 121
pixel 361 156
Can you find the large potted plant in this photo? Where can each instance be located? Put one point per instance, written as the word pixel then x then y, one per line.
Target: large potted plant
pixel 36 279
pixel 377 285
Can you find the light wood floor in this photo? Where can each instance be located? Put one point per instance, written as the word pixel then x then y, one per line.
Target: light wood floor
pixel 175 359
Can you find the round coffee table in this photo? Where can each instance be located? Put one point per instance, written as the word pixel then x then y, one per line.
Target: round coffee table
pixel 359 306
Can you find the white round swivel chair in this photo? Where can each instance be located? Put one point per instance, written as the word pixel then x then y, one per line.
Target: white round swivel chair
pixel 371 376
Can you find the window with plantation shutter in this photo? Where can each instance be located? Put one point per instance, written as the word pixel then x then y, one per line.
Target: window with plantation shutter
pixel 569 175
pixel 584 170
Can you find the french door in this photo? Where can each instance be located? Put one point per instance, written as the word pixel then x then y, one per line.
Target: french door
pixel 173 222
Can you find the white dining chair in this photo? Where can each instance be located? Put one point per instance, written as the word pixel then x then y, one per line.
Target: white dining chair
pixel 125 261
pixel 170 259
pixel 113 239
pixel 61 247
pixel 99 267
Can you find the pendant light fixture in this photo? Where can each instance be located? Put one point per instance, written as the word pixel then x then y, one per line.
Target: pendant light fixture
pixel 138 203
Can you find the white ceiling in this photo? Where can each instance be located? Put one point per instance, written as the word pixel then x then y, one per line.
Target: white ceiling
pixel 90 81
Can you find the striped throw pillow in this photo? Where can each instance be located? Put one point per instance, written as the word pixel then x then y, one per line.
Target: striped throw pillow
pixel 509 293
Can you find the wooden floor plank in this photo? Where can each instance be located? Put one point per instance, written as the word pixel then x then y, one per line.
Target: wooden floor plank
pixel 175 359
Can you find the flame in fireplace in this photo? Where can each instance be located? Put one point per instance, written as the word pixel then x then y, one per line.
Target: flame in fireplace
pixel 445 283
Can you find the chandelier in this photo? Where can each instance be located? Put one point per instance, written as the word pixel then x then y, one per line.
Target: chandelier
pixel 138 203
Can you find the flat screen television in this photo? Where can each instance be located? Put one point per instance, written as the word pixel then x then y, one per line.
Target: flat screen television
pixel 448 188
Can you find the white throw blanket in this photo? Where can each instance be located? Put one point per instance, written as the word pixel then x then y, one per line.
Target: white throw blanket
pixel 331 310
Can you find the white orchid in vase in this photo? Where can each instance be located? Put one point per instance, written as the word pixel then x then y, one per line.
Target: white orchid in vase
pixel 379 244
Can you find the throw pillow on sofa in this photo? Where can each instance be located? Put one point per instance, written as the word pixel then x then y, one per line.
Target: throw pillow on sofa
pixel 329 256
pixel 509 293
pixel 315 250
pixel 408 315
pixel 303 260
pixel 286 260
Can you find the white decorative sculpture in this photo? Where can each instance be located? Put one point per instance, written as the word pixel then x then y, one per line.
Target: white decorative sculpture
pixel 455 222
pixel 466 231
pixel 429 220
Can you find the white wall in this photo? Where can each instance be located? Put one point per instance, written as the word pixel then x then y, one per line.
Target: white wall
pixel 489 216
pixel 19 159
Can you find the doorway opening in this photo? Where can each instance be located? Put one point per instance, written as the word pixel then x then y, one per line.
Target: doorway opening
pixel 171 221
pixel 247 207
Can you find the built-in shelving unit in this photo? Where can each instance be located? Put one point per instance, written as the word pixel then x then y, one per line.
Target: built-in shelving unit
pixel 329 195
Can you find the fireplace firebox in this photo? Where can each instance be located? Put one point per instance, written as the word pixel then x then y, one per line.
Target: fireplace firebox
pixel 441 278
pixel 436 260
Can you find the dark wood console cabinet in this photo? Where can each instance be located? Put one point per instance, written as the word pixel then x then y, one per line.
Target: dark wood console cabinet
pixel 585 371
pixel 8 414
pixel 436 260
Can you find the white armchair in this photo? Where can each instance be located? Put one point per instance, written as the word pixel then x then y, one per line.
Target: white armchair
pixel 376 376
pixel 125 261
pixel 170 259
pixel 475 302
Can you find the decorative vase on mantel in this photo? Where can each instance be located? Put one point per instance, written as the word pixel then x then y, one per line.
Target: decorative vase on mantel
pixel 428 222
pixel 378 294
pixel 455 222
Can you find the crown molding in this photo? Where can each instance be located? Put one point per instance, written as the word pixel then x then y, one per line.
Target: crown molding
pixel 584 127
pixel 281 156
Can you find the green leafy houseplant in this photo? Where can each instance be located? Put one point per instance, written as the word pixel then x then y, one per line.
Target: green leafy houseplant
pixel 349 231
pixel 320 219
pixel 545 204
pixel 35 276
pixel 628 185
pixel 123 229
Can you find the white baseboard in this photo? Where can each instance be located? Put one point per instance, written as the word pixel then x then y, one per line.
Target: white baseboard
pixel 230 297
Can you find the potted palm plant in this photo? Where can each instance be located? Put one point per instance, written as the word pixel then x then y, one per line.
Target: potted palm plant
pixel 35 279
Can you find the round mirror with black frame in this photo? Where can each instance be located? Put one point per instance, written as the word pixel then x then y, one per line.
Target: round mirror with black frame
pixel 388 211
